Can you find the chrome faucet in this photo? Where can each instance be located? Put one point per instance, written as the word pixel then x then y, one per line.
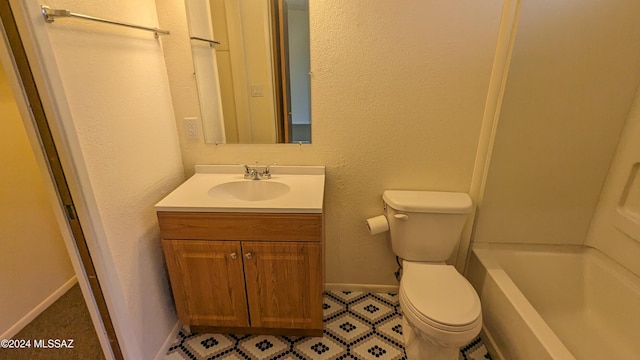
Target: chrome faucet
pixel 249 173
pixel 253 173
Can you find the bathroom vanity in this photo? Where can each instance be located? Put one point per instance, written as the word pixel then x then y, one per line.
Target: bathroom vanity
pixel 247 258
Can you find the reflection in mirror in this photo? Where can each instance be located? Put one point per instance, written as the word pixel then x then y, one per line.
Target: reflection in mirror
pixel 253 85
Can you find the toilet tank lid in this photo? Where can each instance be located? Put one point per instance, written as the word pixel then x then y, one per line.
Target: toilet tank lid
pixel 439 202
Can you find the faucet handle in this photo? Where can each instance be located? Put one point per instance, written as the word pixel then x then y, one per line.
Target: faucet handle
pixel 266 172
pixel 248 172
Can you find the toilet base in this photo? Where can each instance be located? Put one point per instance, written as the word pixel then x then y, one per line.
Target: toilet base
pixel 418 347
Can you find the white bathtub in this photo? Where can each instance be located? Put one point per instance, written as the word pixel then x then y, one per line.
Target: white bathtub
pixel 556 302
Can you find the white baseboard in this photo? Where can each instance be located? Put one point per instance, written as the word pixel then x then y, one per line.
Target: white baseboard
pixel 164 349
pixel 362 287
pixel 44 305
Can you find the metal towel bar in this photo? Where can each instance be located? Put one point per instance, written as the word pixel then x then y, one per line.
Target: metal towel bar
pixel 50 15
pixel 212 43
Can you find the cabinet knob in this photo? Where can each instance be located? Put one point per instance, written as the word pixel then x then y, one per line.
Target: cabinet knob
pixel 233 255
pixel 248 256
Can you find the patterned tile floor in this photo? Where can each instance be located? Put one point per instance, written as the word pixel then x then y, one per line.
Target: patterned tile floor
pixel 357 326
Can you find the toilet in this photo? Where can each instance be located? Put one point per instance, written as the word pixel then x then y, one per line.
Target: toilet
pixel 441 310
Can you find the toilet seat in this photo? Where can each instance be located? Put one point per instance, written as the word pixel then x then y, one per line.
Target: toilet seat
pixel 437 296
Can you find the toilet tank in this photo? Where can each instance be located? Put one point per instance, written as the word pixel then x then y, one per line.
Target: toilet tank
pixel 425 225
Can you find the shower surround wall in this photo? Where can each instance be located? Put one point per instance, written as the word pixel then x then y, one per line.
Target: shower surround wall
pixel 398 90
pixel 615 229
pixel 573 76
pixel 114 126
pixel 572 79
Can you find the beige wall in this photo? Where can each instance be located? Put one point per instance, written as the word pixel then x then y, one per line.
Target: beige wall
pixel 572 79
pixel 615 228
pixel 398 91
pixel 113 109
pixel 223 56
pixel 257 62
pixel 33 259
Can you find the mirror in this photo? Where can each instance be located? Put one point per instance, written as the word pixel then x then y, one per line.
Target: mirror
pixel 253 79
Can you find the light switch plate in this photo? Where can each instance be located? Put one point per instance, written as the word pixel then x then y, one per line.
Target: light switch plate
pixel 257 90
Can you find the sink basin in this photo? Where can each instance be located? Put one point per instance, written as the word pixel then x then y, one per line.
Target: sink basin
pixel 250 190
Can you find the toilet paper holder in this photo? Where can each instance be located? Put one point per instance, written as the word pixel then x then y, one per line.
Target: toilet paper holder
pixel 377 224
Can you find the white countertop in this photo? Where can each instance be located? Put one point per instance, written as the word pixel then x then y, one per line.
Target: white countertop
pixel 305 196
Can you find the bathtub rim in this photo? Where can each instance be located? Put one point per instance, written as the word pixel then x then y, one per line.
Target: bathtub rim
pixel 545 336
pixel 609 264
pixel 489 263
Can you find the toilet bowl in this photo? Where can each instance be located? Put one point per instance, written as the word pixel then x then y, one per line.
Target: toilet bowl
pixel 441 310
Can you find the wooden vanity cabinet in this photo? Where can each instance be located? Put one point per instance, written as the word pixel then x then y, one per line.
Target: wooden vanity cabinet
pixel 207 283
pixel 246 273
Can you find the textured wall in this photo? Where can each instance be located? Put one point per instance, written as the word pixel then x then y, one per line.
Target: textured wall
pixel 111 87
pixel 572 80
pixel 398 91
pixel 33 260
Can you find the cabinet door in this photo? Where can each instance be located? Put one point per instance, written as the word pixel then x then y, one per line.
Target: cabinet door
pixel 284 284
pixel 207 282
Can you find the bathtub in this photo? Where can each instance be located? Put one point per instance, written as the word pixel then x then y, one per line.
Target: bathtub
pixel 556 302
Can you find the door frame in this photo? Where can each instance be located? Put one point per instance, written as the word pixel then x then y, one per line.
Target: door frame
pixel 37 112
pixel 281 73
